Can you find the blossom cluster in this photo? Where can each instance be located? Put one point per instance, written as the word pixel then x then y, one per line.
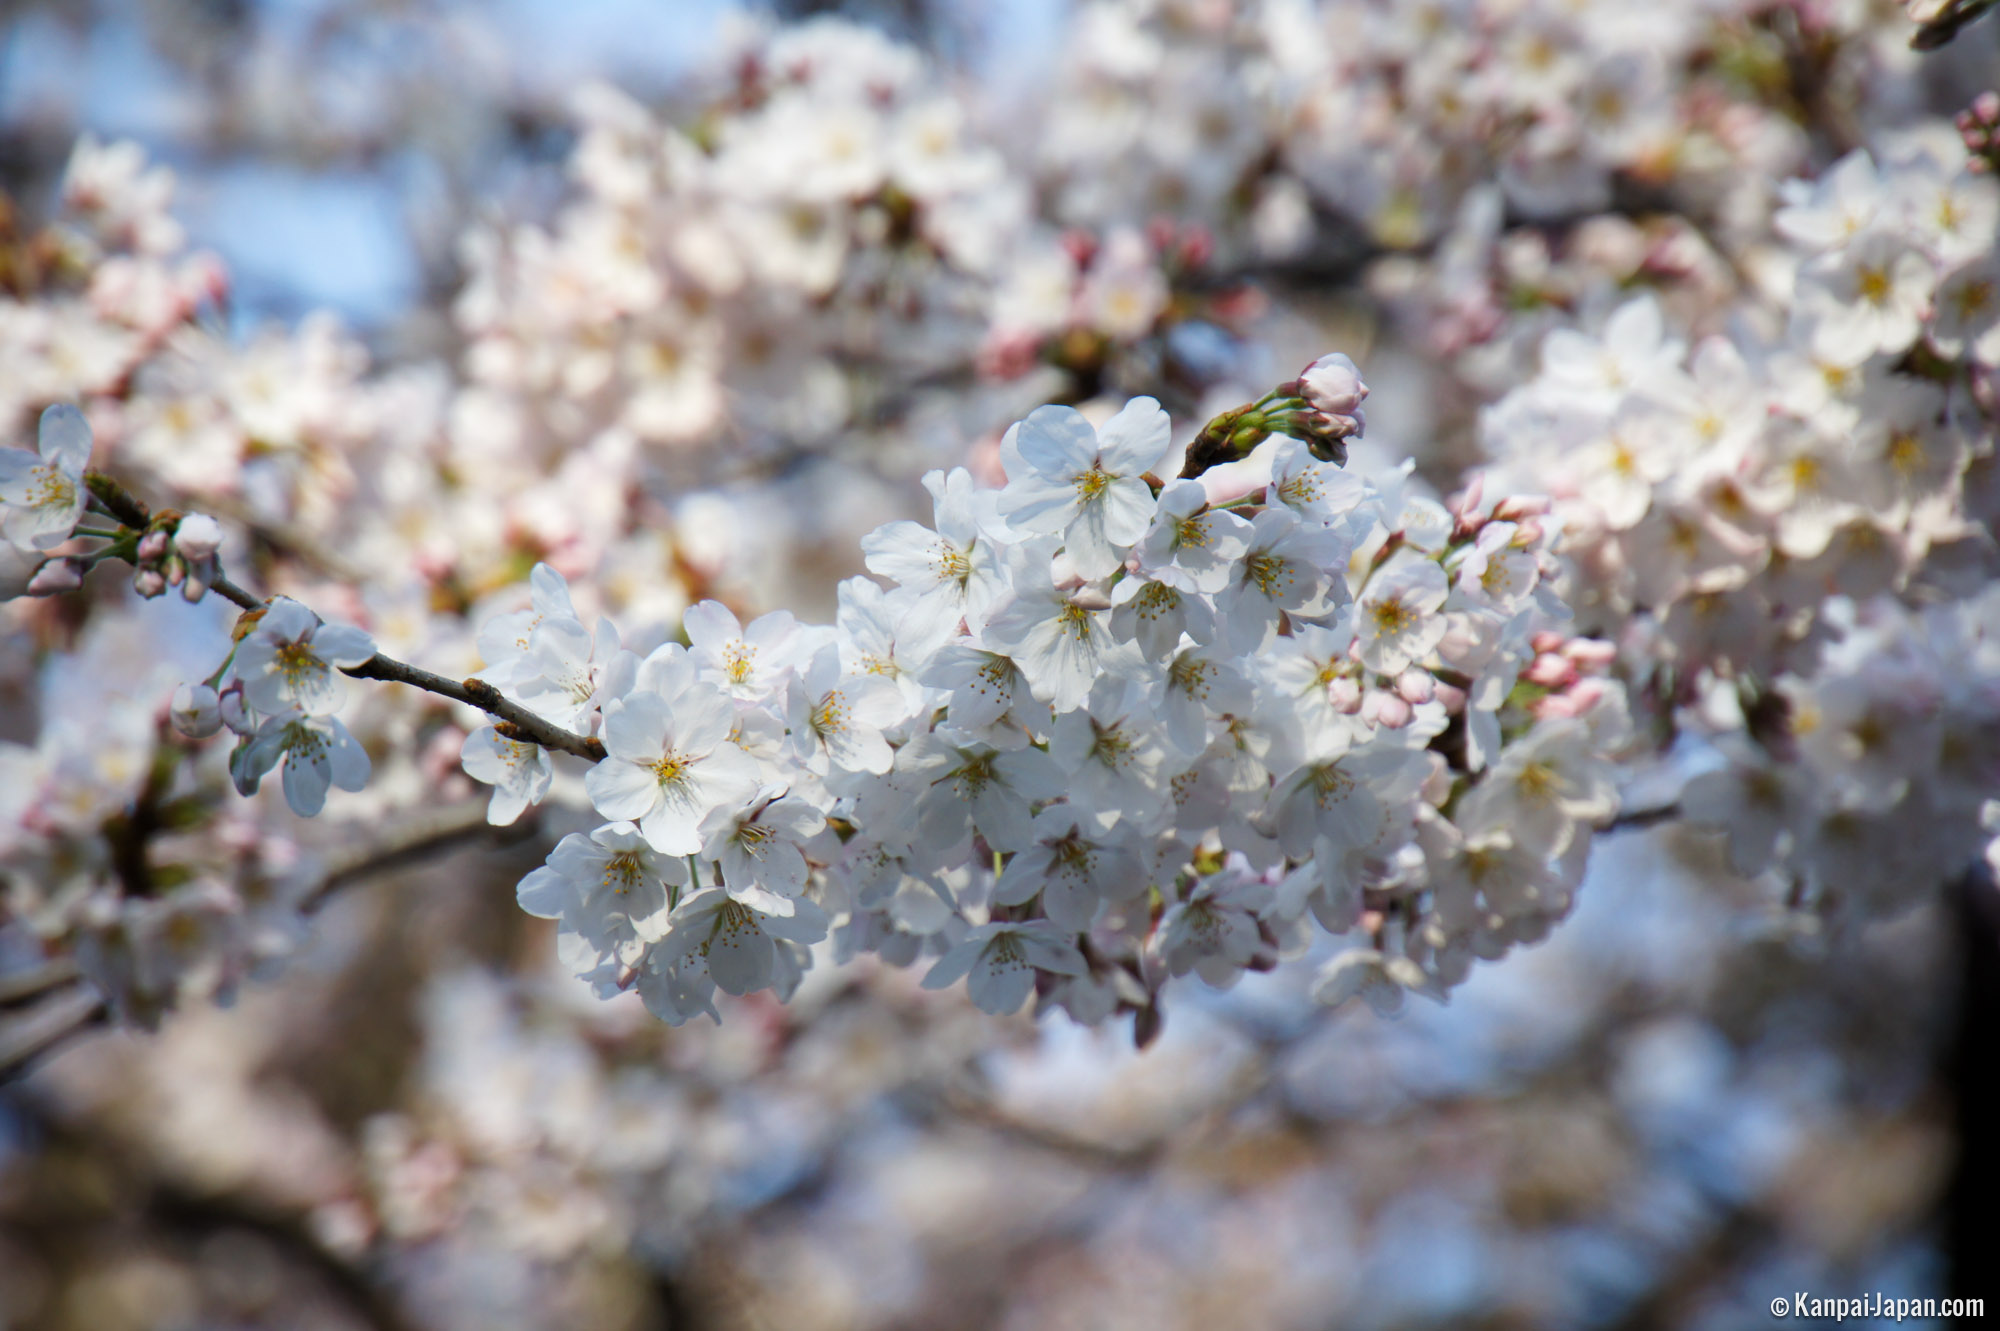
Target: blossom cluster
pixel 1745 512
pixel 1101 730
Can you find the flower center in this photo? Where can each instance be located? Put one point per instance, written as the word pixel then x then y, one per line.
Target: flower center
pixel 623 871
pixel 295 661
pixel 1872 284
pixel 739 659
pixel 830 717
pixel 51 488
pixel 1390 616
pixel 1269 572
pixel 1092 483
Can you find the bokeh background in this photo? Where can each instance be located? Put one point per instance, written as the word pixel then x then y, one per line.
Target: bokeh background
pixel 1683 1104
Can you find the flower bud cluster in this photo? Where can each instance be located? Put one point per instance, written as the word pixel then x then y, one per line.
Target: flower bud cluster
pixel 177 551
pixel 1979 125
pixel 1099 732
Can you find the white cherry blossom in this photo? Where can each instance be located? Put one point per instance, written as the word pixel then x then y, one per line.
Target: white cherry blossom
pixel 1083 483
pixel 42 493
pixel 290 660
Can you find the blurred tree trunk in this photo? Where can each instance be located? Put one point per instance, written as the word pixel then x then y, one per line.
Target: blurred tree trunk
pixel 1973 1234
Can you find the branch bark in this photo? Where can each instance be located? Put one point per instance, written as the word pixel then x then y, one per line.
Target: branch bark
pixel 517 722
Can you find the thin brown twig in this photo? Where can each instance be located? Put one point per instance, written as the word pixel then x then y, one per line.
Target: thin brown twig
pixel 517 721
pixel 1634 818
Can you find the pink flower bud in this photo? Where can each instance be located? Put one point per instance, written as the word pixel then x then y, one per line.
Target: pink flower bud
pixel 1590 653
pixel 1385 709
pixel 1516 508
pixel 1452 697
pixel 1344 693
pixel 195 587
pixel 1082 246
pixel 1468 501
pixel 153 546
pixel 198 536
pixel 196 711
pixel 1416 686
pixel 1550 671
pixel 149 582
pixel 57 576
pixel 1547 641
pixel 1332 384
pixel 1576 702
pixel 1986 106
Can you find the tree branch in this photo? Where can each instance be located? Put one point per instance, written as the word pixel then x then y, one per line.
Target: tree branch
pixel 462 824
pixel 1633 818
pixel 517 722
pixel 51 1023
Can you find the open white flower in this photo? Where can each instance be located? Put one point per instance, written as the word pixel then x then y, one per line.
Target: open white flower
pixel 746 663
pixel 1320 493
pixel 1060 637
pixel 42 493
pixel 290 658
pixel 837 720
pixel 1349 799
pixel 1190 545
pixel 949 575
pixel 1153 615
pixel 1074 865
pixel 609 887
pixel 990 697
pixel 1114 753
pixel 759 849
pixel 671 765
pixel 996 788
pixel 504 639
pixel 568 671
pixel 1397 621
pixel 1214 931
pixel 1198 683
pixel 1288 566
pixel 1380 979
pixel 739 943
pixel 1542 786
pixel 998 962
pixel 1065 477
pixel 1867 298
pixel 518 771
pixel 317 752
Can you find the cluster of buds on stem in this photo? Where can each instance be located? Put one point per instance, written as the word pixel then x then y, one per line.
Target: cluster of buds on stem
pixel 177 551
pixel 1979 126
pixel 1322 408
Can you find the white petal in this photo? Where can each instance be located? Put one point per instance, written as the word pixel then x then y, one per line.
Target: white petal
pixel 65 438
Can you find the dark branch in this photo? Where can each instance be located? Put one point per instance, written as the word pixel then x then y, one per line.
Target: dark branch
pixel 1633 818
pixel 229 591
pixel 117 501
pixel 517 721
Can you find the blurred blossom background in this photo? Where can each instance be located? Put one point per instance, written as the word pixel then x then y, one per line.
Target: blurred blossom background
pixel 683 297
